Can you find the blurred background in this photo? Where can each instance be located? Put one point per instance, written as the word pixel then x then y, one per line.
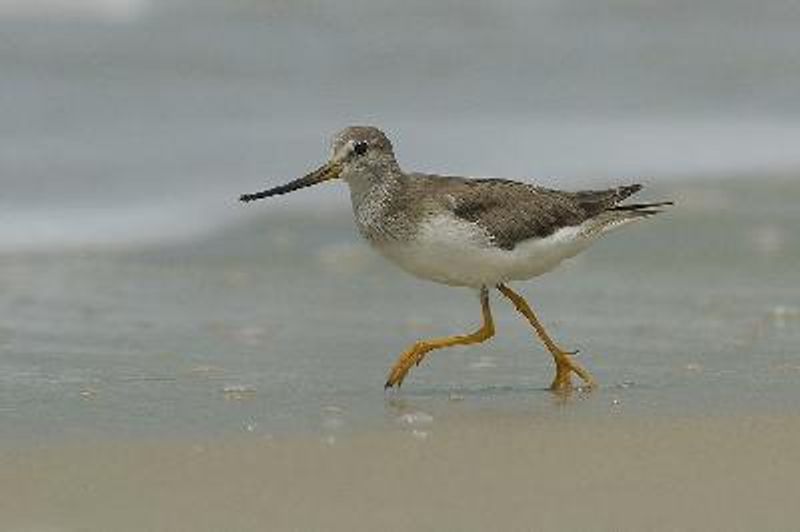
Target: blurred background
pixel 124 119
pixel 135 292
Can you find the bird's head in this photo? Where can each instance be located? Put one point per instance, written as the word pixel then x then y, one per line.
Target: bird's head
pixel 360 155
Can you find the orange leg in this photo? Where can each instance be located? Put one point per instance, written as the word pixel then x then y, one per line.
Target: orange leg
pixel 564 364
pixel 415 353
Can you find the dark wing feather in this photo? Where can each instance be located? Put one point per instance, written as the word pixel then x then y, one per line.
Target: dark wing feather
pixel 513 212
pixel 597 201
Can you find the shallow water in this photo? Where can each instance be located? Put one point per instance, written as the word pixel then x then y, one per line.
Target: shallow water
pixel 138 298
pixel 289 323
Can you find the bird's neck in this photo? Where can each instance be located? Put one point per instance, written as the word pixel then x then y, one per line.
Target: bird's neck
pixel 374 184
pixel 372 202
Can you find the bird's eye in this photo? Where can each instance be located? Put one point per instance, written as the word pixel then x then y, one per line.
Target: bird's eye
pixel 360 148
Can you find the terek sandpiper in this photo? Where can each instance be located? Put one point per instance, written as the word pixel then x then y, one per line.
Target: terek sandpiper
pixel 477 233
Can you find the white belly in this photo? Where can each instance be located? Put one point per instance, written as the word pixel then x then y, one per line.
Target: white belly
pixel 460 253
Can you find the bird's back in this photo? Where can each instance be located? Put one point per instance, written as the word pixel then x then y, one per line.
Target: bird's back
pixel 510 211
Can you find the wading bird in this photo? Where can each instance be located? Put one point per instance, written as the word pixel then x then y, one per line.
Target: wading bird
pixel 477 233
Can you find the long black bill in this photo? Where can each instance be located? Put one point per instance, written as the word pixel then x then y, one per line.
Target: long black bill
pixel 323 173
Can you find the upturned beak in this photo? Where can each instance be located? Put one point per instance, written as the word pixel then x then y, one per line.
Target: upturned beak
pixel 329 170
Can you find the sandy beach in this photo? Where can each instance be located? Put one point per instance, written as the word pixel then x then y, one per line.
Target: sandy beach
pixel 471 473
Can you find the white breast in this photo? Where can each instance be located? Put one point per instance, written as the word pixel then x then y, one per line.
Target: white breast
pixel 457 252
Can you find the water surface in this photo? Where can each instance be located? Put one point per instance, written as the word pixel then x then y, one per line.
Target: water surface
pixel 289 322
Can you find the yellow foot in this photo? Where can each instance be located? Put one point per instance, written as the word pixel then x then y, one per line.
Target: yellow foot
pixel 565 367
pixel 415 353
pixel 409 359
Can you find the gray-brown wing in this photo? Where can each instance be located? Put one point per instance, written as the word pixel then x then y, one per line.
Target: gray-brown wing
pixel 513 212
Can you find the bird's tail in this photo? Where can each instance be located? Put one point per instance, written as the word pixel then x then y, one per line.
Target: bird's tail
pixel 615 215
pixel 640 210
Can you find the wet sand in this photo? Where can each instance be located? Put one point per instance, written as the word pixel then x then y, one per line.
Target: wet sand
pixel 475 472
